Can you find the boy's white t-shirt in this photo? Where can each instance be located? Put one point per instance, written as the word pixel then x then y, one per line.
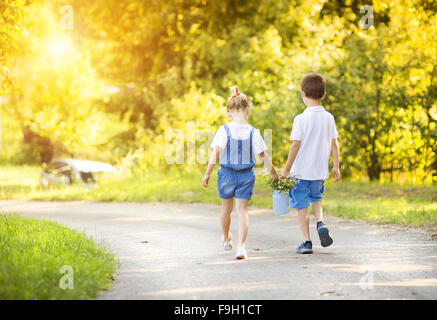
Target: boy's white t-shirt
pixel 314 128
pixel 239 131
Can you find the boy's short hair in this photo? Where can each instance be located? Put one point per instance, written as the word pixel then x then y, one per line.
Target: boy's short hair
pixel 313 84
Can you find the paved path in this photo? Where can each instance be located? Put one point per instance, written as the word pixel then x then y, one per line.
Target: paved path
pixel 173 251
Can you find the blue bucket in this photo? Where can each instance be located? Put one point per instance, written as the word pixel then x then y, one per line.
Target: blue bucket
pixel 280 202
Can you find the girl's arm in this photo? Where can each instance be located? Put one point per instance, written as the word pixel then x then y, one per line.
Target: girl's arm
pixel 268 164
pixel 213 159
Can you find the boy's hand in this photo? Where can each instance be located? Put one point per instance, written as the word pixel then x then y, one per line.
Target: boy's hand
pixel 205 181
pixel 284 174
pixel 336 175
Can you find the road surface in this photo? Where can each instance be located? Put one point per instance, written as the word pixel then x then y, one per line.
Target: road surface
pixel 174 251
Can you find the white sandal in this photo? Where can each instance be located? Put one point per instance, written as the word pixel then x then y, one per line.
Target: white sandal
pixel 241 253
pixel 227 245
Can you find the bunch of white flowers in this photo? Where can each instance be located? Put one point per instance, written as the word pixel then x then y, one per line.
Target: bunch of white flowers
pixel 282 185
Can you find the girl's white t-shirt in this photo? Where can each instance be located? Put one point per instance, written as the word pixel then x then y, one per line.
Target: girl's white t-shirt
pixel 239 131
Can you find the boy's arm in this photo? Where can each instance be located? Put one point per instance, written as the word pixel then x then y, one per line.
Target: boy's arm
pixel 265 159
pixel 213 159
pixel 295 145
pixel 335 149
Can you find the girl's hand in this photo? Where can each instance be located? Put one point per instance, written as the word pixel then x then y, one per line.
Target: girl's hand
pixel 274 176
pixel 205 181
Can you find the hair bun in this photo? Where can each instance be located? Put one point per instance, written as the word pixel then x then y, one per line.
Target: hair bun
pixel 234 91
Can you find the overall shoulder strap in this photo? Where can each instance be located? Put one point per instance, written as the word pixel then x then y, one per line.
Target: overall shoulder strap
pixel 228 144
pixel 250 142
pixel 251 133
pixel 228 132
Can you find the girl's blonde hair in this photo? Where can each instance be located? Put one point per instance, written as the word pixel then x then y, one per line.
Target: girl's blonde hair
pixel 237 100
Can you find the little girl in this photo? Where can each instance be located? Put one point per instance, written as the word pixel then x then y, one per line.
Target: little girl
pixel 236 144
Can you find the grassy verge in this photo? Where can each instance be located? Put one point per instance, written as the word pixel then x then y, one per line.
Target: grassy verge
pixel 383 203
pixel 32 253
pixel 413 205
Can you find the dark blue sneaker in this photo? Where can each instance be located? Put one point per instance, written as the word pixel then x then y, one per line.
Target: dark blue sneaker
pixel 323 232
pixel 305 248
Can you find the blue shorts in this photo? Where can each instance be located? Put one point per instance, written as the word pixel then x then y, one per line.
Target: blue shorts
pixel 306 191
pixel 235 184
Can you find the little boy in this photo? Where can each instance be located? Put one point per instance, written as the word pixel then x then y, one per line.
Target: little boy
pixel 314 135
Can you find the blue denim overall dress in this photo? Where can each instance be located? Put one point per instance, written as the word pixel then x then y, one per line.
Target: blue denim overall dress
pixel 235 177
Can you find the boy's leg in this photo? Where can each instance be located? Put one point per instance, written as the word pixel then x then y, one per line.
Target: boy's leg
pixel 322 230
pixel 227 206
pixel 317 188
pixel 243 221
pixel 317 209
pixel 299 200
pixel 304 222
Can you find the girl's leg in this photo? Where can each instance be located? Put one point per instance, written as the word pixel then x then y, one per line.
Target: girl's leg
pixel 304 223
pixel 227 206
pixel 243 221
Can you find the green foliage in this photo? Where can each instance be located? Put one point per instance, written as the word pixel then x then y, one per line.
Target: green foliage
pixel 173 61
pixel 386 121
pixel 54 96
pixel 32 253
pixel 11 30
pixel 282 185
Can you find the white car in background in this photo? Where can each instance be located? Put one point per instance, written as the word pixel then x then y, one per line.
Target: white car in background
pixel 70 171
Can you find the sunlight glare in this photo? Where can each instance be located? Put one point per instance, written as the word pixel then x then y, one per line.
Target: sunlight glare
pixel 59 47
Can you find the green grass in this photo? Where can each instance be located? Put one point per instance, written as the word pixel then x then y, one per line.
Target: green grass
pixel 414 205
pixel 411 205
pixel 32 253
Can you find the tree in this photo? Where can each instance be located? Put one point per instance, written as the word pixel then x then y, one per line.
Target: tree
pixel 55 92
pixel 11 30
pixel 382 99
